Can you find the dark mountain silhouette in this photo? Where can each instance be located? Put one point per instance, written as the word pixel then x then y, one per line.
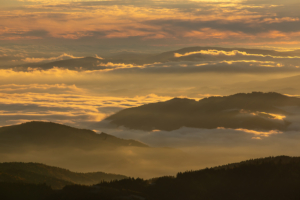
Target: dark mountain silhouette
pixel 55 177
pixel 52 135
pixel 266 178
pixel 249 111
pixel 169 55
pixel 273 178
pixel 78 64
pixel 130 58
pixel 279 160
pixel 73 63
pixel 92 63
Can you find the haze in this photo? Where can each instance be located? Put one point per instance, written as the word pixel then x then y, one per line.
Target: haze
pixel 77 62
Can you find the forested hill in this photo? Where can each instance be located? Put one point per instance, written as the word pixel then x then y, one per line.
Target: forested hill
pixel 55 177
pixel 268 178
pixel 52 135
pixel 275 178
pixel 256 110
pixel 279 160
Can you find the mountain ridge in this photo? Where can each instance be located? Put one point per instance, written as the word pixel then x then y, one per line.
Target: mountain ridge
pixel 58 135
pixel 53 176
pixel 263 178
pixel 92 63
pixel 256 110
pixel 274 178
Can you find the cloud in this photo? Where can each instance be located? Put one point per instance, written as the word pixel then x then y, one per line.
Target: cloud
pixel 193 57
pixel 166 23
pixel 230 66
pixel 34 88
pixel 257 133
pixel 19 34
pixel 61 103
pixel 153 162
pixel 194 137
pixel 184 78
pixel 214 52
pixel 264 115
pixel 114 66
pixel 95 93
pixel 247 26
pixel 36 33
pixel 61 57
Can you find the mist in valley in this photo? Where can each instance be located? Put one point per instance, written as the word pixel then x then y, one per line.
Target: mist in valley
pixel 84 98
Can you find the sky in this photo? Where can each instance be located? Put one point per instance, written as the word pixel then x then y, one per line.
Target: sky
pixel 81 26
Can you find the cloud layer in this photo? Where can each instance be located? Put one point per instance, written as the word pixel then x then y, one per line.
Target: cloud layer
pixel 96 87
pixel 128 24
pixel 36 32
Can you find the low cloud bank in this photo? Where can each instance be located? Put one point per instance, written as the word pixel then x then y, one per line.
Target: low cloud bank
pixel 154 162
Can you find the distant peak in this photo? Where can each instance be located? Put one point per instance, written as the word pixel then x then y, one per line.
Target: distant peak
pixel 40 122
pixel 257 93
pixel 182 112
pixel 104 134
pixel 91 58
pixel 46 124
pixel 34 122
pixel 178 99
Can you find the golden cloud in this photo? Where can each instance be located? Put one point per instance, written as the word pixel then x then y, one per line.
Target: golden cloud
pixel 61 57
pixel 265 115
pixel 214 52
pixel 258 134
pixel 46 102
pixel 74 19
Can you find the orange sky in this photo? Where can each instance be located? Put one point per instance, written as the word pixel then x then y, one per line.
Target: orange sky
pixel 134 24
pixel 33 31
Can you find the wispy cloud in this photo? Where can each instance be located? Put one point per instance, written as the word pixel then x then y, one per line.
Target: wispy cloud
pixel 61 103
pixel 214 52
pixel 258 134
pixel 61 57
pixel 209 22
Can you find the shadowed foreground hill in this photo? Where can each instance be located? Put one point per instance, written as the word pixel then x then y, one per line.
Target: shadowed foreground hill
pixel 254 110
pixel 52 135
pixel 273 178
pixel 267 178
pixel 83 150
pixel 55 177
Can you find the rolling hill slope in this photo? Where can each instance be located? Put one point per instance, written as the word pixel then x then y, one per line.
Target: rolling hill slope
pixel 256 110
pixel 52 135
pixel 274 178
pixel 55 177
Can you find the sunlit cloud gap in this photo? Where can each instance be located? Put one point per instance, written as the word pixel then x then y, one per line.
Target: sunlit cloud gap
pixel 61 57
pixel 213 52
pixel 255 132
pixel 265 114
pixel 146 20
pixel 71 104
